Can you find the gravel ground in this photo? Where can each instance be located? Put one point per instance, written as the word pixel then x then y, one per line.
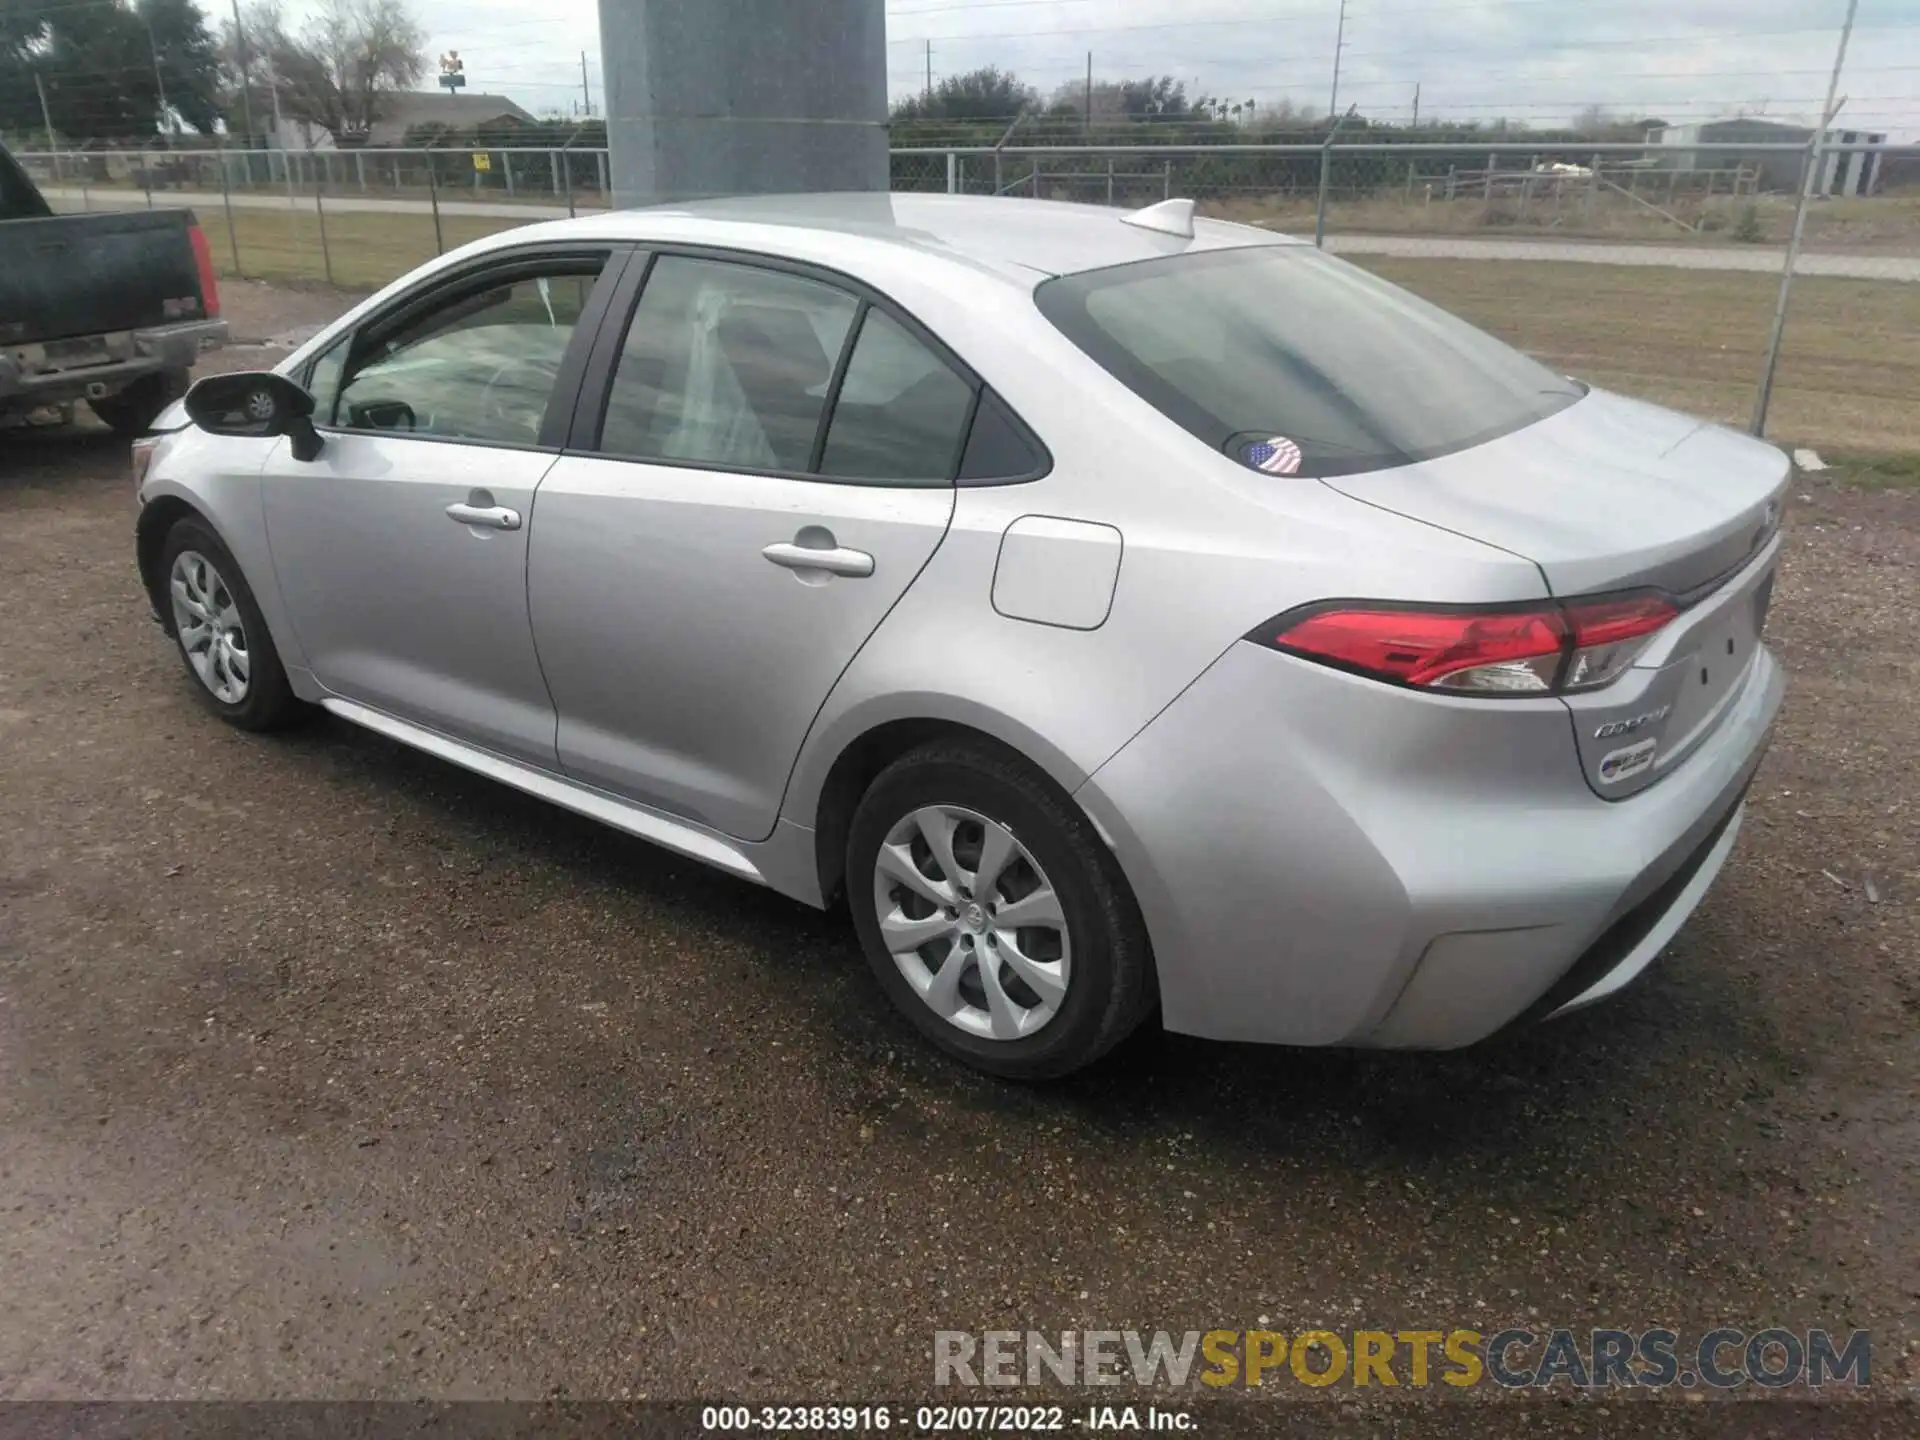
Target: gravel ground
pixel 329 1070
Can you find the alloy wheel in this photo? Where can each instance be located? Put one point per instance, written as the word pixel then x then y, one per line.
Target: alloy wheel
pixel 213 636
pixel 972 922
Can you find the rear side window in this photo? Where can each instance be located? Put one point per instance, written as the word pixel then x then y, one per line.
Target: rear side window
pixel 1283 343
pixel 901 412
pixel 726 365
pixel 998 446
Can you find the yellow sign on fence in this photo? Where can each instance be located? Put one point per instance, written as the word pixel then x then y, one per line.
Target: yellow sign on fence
pixel 482 160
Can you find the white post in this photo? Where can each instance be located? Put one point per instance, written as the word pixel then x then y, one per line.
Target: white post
pixel 953 175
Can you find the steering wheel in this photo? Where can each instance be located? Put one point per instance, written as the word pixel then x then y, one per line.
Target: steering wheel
pixel 501 408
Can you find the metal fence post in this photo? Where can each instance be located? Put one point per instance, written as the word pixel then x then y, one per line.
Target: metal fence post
pixel 1815 149
pixel 567 160
pixel 952 172
pixel 320 210
pixel 1593 189
pixel 1320 203
pixel 606 190
pixel 433 195
pixel 506 165
pixel 226 199
pixel 1166 180
pixel 1109 180
pixel 1493 164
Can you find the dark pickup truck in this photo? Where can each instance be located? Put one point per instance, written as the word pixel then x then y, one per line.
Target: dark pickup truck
pixel 112 308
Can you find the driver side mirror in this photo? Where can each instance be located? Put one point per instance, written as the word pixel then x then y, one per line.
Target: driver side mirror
pixel 255 403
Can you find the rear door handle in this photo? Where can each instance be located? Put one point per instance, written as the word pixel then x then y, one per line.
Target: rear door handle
pixel 854 563
pixel 494 517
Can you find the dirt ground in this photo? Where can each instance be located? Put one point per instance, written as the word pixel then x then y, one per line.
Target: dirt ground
pixel 328 1070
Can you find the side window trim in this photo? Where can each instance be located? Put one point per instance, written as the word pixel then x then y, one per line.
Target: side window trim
pixel 617 260
pixel 831 401
pixel 589 417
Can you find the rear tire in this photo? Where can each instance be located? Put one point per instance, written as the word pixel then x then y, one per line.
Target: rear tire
pixel 221 635
pixel 993 915
pixel 129 412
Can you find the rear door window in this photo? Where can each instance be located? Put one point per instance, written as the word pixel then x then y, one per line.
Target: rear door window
pixel 727 365
pixel 1272 350
pixel 901 412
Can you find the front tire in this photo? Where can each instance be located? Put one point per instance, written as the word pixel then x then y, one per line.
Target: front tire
pixel 993 915
pixel 220 633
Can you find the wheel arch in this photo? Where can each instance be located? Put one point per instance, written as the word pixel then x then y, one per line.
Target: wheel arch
pixel 157 519
pixel 826 792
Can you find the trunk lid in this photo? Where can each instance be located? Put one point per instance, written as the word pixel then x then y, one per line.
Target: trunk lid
pixel 1607 494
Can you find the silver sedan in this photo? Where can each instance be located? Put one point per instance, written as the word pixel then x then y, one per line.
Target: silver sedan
pixel 1123 614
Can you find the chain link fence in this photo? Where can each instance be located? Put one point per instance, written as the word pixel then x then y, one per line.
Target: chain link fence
pixel 1650 269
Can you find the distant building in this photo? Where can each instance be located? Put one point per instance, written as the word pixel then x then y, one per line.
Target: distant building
pixel 1844 173
pixel 400 113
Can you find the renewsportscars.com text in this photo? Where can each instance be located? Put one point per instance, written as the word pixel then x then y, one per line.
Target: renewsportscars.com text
pixel 1723 1359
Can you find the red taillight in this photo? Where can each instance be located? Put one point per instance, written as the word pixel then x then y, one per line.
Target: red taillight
pixel 1492 650
pixel 1608 634
pixel 209 282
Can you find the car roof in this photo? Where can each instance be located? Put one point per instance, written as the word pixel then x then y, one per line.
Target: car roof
pixel 1021 240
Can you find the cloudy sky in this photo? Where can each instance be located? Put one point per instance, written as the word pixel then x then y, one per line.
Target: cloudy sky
pixel 1535 60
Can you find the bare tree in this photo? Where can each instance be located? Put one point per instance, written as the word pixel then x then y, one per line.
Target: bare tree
pixel 335 72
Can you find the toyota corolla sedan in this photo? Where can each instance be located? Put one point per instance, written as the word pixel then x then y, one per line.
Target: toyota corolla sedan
pixel 1124 615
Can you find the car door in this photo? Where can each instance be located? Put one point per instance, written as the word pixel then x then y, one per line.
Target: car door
pixel 774 465
pixel 401 550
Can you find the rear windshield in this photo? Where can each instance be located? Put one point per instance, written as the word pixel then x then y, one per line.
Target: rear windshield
pixel 1295 362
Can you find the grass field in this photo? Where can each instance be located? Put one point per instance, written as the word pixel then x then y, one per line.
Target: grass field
pixel 365 249
pixel 1693 339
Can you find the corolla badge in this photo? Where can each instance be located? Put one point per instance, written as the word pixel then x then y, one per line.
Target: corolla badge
pixel 1638 722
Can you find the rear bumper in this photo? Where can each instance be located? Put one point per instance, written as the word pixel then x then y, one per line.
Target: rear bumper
pixel 1323 860
pixel 29 376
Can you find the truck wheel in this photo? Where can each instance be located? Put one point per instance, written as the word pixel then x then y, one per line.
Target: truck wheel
pixel 129 412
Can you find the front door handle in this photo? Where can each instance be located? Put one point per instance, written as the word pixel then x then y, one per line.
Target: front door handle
pixel 494 517
pixel 836 561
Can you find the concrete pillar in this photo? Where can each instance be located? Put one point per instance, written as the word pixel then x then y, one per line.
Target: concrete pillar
pixel 741 97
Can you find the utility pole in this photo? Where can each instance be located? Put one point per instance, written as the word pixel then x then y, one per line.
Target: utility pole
pixel 929 72
pixel 585 92
pixel 1339 44
pixel 1416 104
pixel 1089 121
pixel 246 74
pixel 166 111
pixel 1807 182
pixel 53 146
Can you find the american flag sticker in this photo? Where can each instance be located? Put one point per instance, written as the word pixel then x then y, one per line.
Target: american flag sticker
pixel 1276 455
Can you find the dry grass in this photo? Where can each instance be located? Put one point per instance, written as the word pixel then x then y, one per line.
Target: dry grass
pixel 1695 339
pixel 1882 224
pixel 367 249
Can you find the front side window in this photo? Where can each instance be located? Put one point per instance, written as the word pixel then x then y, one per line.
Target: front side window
pixel 1245 347
pixel 481 367
pixel 727 365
